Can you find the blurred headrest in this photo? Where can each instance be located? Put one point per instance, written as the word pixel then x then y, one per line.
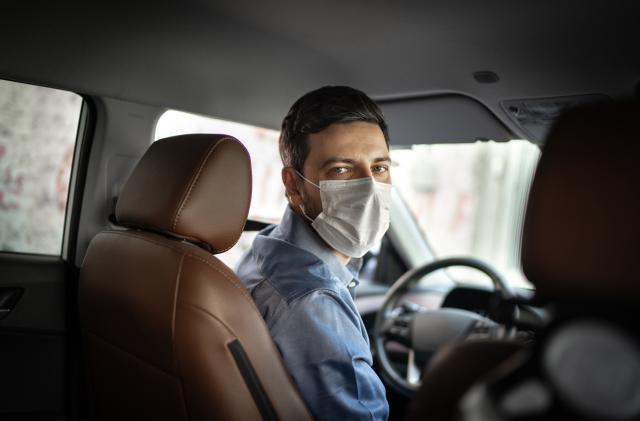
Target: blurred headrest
pixel 196 187
pixel 582 226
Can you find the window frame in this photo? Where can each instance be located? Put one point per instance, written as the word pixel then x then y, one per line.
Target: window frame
pixel 77 179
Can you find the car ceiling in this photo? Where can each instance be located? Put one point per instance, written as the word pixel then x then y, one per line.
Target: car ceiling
pixel 248 61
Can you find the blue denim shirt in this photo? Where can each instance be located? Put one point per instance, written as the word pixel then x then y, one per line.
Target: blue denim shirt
pixel 302 292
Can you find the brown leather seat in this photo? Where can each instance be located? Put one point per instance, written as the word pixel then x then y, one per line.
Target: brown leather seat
pixel 580 238
pixel 579 249
pixel 168 330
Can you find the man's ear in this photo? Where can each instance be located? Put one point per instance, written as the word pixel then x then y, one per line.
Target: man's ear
pixel 291 185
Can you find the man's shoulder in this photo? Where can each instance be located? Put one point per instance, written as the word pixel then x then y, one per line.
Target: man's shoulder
pixel 290 270
pixel 296 273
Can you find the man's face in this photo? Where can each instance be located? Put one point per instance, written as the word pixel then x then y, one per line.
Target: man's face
pixel 342 151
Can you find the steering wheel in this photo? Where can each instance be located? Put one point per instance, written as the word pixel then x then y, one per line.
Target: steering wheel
pixel 425 331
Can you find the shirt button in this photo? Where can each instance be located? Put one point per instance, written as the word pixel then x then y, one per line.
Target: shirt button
pixel 352 284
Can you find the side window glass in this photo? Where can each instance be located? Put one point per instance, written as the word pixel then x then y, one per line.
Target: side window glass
pixel 38 130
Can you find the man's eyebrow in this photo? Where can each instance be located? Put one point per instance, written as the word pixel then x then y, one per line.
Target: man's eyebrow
pixel 337 160
pixel 349 161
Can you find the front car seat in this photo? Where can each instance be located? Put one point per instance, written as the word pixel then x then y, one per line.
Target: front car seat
pixel 168 330
pixel 580 250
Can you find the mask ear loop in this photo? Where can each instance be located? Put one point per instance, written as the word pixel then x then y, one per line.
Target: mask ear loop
pixel 305 214
pixel 313 184
pixel 306 179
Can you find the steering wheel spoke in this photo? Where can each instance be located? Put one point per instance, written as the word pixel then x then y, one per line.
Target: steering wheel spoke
pixel 414 374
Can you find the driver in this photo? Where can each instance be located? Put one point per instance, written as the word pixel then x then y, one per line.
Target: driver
pixel 302 273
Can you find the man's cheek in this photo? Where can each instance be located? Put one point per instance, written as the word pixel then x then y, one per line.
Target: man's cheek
pixel 314 206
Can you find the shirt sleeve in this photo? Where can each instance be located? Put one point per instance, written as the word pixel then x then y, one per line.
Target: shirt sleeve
pixel 324 347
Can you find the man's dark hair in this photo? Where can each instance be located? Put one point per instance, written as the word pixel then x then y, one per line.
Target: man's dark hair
pixel 317 110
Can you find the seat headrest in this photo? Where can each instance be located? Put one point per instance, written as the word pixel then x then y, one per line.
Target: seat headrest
pixel 582 226
pixel 196 187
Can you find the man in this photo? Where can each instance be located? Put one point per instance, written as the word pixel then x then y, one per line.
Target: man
pixel 334 147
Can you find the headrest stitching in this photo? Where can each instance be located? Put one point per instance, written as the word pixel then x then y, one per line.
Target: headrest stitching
pixel 194 181
pixel 176 292
pixel 218 251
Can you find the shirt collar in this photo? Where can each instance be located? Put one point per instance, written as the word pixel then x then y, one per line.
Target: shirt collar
pixel 297 231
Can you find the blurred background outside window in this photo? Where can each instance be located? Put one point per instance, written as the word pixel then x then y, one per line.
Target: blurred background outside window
pixel 38 129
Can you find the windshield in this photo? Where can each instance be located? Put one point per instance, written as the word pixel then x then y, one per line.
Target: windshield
pixel 468 200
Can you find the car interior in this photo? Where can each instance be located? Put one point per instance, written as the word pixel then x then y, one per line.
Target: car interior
pixel 139 159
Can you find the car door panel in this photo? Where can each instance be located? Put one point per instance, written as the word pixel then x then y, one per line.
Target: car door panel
pixel 33 336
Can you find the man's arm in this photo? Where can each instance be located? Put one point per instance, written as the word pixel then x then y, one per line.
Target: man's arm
pixel 323 347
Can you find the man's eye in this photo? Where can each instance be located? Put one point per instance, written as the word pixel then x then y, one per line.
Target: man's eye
pixel 339 170
pixel 379 169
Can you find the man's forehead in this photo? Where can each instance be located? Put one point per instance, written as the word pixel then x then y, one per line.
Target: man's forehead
pixel 355 141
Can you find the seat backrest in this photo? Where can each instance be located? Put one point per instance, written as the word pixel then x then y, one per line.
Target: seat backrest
pixel 169 332
pixel 580 250
pixel 580 238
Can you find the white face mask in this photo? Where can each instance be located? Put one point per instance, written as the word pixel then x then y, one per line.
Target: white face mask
pixel 355 214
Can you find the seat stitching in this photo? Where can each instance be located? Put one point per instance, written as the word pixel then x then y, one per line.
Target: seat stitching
pixel 271 343
pixel 194 180
pixel 208 313
pixel 246 213
pixel 173 337
pixel 242 290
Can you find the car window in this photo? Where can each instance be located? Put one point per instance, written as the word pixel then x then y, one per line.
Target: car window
pixel 267 197
pixel 468 200
pixel 38 130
